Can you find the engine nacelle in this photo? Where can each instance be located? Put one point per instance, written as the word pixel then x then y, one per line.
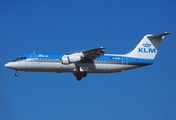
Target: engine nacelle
pixel 74 59
pixel 70 59
pixel 65 60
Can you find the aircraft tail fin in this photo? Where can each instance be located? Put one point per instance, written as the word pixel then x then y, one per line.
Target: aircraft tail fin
pixel 148 46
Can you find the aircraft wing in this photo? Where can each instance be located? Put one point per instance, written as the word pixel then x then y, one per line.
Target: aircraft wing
pixel 91 53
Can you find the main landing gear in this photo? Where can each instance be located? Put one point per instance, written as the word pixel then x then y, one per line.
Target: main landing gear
pixel 80 75
pixel 16 74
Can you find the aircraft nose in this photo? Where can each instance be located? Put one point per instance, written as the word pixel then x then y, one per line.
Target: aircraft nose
pixel 7 65
pixel 12 65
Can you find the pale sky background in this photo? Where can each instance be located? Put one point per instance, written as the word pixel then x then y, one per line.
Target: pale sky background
pixel 63 26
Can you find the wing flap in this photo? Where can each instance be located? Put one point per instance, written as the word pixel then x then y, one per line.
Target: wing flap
pixel 90 53
pixel 93 53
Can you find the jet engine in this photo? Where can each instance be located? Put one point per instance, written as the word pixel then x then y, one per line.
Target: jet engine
pixel 70 59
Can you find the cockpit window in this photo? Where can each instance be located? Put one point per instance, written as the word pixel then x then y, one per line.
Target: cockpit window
pixel 20 58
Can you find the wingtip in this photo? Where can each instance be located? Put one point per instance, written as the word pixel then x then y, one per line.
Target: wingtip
pixel 166 33
pixel 103 47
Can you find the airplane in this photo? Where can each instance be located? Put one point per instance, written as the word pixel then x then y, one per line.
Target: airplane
pixel 94 60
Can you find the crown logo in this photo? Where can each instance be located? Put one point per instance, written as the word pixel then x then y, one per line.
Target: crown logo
pixel 146 44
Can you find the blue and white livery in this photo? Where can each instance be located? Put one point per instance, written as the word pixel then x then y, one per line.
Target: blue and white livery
pixel 90 61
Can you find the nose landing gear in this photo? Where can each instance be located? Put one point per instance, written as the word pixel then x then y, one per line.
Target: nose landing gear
pixel 16 74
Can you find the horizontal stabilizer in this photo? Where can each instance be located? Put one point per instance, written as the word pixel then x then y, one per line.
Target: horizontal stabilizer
pixel 158 35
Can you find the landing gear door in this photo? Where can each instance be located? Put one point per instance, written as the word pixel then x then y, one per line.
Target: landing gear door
pixel 84 69
pixel 33 58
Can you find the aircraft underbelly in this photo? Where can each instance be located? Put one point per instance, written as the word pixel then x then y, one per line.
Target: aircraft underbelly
pixel 111 68
pixel 59 67
pixel 47 67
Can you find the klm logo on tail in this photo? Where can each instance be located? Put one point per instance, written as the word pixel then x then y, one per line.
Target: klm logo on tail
pixel 146 49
